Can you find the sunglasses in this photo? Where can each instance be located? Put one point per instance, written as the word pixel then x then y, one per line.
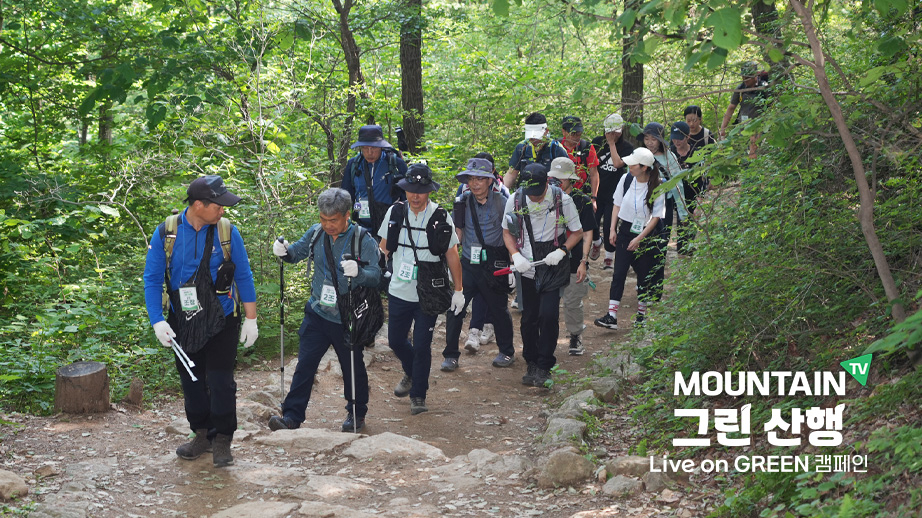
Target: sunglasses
pixel 556 182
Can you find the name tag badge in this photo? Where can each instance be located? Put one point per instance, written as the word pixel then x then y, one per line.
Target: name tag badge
pixel 364 210
pixel 475 254
pixel 328 295
pixel 744 118
pixel 188 299
pixel 407 272
pixel 636 227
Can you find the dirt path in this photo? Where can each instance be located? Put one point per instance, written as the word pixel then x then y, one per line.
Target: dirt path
pixel 122 463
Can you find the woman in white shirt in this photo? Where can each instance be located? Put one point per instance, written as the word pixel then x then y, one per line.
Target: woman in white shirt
pixel 638 217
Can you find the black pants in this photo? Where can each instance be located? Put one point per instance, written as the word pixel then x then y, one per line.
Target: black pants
pixel 603 221
pixel 641 260
pixel 540 324
pixel 211 402
pixel 685 233
pixel 497 305
pixel 661 242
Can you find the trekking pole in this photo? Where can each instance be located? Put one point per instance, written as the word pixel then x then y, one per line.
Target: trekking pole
pixel 355 419
pixel 508 269
pixel 282 324
pixel 183 358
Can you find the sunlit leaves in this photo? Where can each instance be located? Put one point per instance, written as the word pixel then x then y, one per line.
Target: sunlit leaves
pixel 728 29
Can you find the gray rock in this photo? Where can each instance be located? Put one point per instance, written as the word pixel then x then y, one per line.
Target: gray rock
pixel 564 468
pixel 266 475
pixel 654 482
pixel 389 444
pixel 327 487
pixel 632 466
pixel 268 509
pixel 306 440
pixel 325 510
pixel 574 406
pixel 64 505
pixel 178 427
pixel 266 398
pixel 622 486
pixel 12 485
pixel 620 365
pixel 488 463
pixel 560 430
pixel 607 388
pixel 253 412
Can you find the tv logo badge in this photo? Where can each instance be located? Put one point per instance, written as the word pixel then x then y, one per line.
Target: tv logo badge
pixel 859 368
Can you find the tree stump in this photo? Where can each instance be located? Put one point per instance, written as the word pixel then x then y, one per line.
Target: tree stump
pixel 82 388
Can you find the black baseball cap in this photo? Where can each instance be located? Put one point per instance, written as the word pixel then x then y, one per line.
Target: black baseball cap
pixel 572 124
pixel 533 179
pixel 211 188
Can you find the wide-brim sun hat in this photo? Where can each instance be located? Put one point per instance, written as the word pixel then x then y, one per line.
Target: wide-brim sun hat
pixel 655 129
pixel 477 167
pixel 418 180
pixel 372 136
pixel 563 168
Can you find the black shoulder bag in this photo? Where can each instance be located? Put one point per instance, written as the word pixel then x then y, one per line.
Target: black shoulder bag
pixel 432 282
pixel 360 308
pixel 194 328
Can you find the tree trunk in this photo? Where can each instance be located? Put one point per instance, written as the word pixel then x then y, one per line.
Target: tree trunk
pixel 356 84
pixel 105 123
pixel 82 388
pixel 632 78
pixel 866 198
pixel 411 74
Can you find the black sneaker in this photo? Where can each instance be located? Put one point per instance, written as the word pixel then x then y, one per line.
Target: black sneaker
pixel 403 388
pixel 502 360
pixel 350 425
pixel 542 376
pixel 576 345
pixel 640 320
pixel 529 378
pixel 448 365
pixel 281 423
pixel 418 405
pixel 607 321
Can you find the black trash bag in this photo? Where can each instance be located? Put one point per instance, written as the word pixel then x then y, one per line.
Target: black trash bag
pixel 433 287
pixel 550 278
pixel 362 314
pixel 195 328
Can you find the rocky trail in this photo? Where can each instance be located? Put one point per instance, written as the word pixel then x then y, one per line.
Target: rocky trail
pixel 488 446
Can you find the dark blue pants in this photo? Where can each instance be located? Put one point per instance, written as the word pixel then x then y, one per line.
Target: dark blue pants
pixel 317 335
pixel 415 357
pixel 540 324
pixel 479 315
pixel 496 303
pixel 211 402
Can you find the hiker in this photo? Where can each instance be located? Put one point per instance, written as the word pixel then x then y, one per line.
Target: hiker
pixel 536 221
pixel 537 147
pixel 478 215
pixel 583 155
pixel 563 174
pixel 636 215
pixel 419 237
pixel 339 250
pixel 750 96
pixel 683 142
pixel 668 166
pixel 380 165
pixel 203 262
pixel 612 146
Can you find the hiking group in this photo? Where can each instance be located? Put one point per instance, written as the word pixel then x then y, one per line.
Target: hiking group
pixel 530 232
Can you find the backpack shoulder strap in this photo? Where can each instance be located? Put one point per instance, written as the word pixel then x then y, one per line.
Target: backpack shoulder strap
pixel 628 178
pixel 357 235
pixel 170 225
pixel 394 224
pixel 224 235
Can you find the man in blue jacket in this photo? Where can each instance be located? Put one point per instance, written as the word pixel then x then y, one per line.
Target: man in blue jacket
pixel 380 165
pixel 206 292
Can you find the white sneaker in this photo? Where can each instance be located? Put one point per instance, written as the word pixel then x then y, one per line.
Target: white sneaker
pixel 472 345
pixel 486 336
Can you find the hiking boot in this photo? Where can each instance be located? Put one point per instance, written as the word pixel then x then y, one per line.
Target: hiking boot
pixel 529 377
pixel 542 376
pixel 502 360
pixel 607 321
pixel 486 336
pixel 403 388
pixel 640 320
pixel 281 423
pixel 196 447
pixel 350 425
pixel 418 405
pixel 595 251
pixel 576 345
pixel 607 264
pixel 448 365
pixel 222 451
pixel 472 345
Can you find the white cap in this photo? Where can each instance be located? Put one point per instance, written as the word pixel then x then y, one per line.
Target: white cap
pixel 535 130
pixel 563 168
pixel 642 156
pixel 613 122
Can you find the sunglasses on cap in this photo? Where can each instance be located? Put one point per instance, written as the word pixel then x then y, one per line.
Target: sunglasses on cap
pixel 418 178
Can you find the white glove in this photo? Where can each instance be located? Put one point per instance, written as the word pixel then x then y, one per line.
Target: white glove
pixel 280 249
pixel 164 332
pixel 519 263
pixel 554 257
pixel 248 331
pixel 350 268
pixel 511 281
pixel 457 302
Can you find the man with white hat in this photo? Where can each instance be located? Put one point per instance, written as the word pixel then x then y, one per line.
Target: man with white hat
pixel 537 147
pixel 563 174
pixel 611 147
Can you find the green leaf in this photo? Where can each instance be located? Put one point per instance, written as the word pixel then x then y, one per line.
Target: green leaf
pixel 89 102
pixel 717 58
pixel 109 210
pixel 775 55
pixel 872 76
pixel 155 114
pixel 501 7
pixel 891 46
pixel 285 40
pixel 728 29
pixel 886 6
pixel 272 147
